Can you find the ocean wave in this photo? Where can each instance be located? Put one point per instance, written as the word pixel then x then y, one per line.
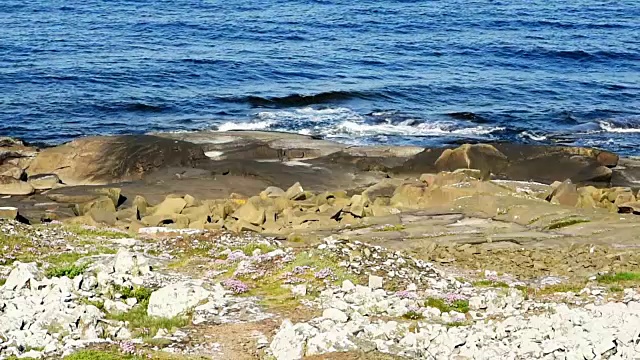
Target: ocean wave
pixel 407 129
pixel 295 100
pixel 617 128
pixel 131 107
pixel 345 123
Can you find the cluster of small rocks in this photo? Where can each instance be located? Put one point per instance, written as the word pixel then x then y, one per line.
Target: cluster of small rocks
pixel 42 316
pixel 499 325
pixel 364 259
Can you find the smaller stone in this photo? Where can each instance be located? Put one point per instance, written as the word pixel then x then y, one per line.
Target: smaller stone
pixel 335 315
pixel 348 286
pixel 31 354
pixel 375 282
pixel 44 181
pixel 8 213
pixel 131 301
pixel 299 290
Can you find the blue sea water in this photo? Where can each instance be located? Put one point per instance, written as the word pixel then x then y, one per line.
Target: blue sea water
pixel 427 72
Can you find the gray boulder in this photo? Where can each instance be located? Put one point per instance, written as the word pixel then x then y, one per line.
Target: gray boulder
pixel 176 299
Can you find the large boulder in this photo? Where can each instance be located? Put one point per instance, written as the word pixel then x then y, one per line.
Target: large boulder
pixel 483 157
pixel 289 341
pixel 170 206
pixel 13 151
pixel 251 213
pixel 108 159
pixel 11 170
pixel 127 262
pixel 44 181
pixel 22 276
pixel 544 164
pixel 565 194
pixel 12 186
pixel 173 300
pixel 8 212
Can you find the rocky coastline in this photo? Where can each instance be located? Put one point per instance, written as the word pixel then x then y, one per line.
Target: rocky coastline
pixel 257 245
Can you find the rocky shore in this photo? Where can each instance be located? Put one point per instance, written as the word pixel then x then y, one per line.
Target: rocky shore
pixel 248 245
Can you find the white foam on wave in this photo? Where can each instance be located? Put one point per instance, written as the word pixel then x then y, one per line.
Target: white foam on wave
pixel 532 136
pixel 406 129
pixel 309 114
pixel 609 127
pixel 258 125
pixel 345 123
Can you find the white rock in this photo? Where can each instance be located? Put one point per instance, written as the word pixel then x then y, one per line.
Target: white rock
pixel 115 306
pixel 335 315
pixel 332 341
pixel 347 286
pixel 21 275
pixel 77 282
pixel 131 301
pixel 288 344
pixel 127 262
pixel 604 344
pixel 31 354
pixel 375 282
pixel 176 299
pixel 299 290
pixel 476 303
pixel 123 334
pixel 89 282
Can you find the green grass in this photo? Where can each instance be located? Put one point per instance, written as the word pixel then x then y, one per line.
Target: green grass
pixel 70 271
pixel 147 326
pixel 97 303
pixel 621 277
pixel 457 324
pixel 490 283
pixel 320 260
pixel 189 256
pixel 461 306
pixel 100 355
pixel 113 354
pixel 616 288
pixel 250 248
pixel 526 291
pixel 270 287
pixel 26 246
pixel 142 294
pixel 413 315
pixel 559 224
pixel 81 231
pixel 398 227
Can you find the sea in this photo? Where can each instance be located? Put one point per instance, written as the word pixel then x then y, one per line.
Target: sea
pixel 406 72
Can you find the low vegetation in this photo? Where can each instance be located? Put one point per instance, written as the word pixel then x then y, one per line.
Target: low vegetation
pixel 69 271
pixel 413 315
pixel 461 306
pixel 142 294
pixel 490 283
pixel 84 231
pixel 141 324
pixel 559 224
pixel 619 278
